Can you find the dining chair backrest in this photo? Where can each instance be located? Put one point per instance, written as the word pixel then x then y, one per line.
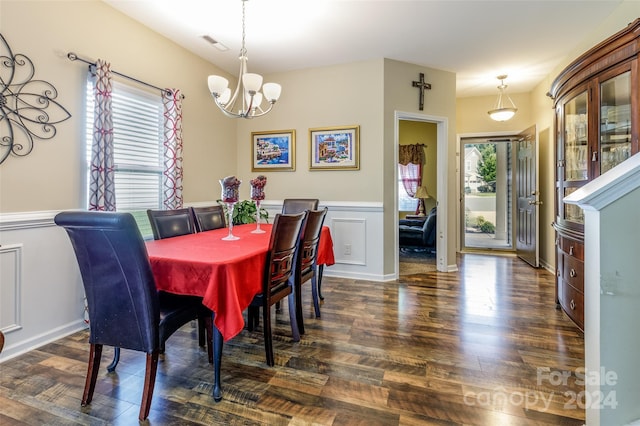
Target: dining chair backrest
pixel 280 265
pixel 298 205
pixel 171 223
pixel 309 239
pixel 119 286
pixel 208 218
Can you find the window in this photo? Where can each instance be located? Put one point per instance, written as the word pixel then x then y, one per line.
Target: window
pixel 138 149
pixel 405 202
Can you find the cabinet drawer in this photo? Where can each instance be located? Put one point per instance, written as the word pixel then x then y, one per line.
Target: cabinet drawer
pixel 571 247
pixel 572 302
pixel 573 272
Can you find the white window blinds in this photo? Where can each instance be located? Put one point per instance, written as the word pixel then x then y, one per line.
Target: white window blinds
pixel 138 147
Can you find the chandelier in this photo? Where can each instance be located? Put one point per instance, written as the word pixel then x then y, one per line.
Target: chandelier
pixel 502 111
pixel 246 99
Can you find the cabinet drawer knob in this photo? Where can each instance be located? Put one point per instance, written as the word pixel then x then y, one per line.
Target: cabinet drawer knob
pixel 573 273
pixel 571 251
pixel 572 305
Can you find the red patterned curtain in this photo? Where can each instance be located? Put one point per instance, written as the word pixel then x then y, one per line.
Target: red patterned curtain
pixel 410 159
pixel 173 174
pixel 102 190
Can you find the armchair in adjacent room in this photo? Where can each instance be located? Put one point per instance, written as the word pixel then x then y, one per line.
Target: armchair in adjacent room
pixel 419 233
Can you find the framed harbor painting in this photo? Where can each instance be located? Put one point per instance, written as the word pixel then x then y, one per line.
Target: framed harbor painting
pixel 273 151
pixel 334 148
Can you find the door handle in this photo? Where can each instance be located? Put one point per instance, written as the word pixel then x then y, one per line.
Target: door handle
pixel 534 203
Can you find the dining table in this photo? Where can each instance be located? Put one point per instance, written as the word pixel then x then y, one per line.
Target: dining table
pixel 227 274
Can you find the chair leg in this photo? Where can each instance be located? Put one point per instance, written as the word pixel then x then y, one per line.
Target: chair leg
pixel 314 295
pixel 149 383
pixel 116 359
pixel 295 333
pixel 320 271
pixel 95 353
pixel 201 332
pixel 252 317
pixel 268 343
pixel 297 289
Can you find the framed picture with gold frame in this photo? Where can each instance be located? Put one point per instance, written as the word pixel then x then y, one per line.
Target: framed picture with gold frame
pixel 334 148
pixel 273 151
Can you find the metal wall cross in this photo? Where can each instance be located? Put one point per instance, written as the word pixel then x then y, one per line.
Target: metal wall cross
pixel 422 86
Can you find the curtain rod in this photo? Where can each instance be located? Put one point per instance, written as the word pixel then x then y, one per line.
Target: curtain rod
pixel 73 57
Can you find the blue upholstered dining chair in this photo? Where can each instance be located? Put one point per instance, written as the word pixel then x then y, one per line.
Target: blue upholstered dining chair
pixel 306 262
pixel 208 218
pixel 277 281
pixel 125 309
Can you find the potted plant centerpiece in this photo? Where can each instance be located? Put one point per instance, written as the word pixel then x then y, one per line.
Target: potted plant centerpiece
pixel 245 212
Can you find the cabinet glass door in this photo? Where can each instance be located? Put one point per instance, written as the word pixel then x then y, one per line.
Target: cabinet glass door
pixel 615 121
pixel 576 138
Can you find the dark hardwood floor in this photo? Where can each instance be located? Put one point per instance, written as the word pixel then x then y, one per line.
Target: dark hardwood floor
pixel 483 346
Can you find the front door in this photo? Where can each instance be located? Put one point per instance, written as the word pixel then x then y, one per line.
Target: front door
pixel 527 195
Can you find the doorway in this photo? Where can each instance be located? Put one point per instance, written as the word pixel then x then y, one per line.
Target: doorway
pixel 441 197
pixel 487 188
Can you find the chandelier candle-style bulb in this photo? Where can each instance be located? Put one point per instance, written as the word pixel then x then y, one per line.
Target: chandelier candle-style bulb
pixel 246 101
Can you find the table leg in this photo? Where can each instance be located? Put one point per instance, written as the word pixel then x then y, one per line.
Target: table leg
pixel 217 360
pixel 320 270
pixel 116 358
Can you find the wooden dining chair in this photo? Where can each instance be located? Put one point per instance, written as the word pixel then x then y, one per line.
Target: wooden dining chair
pixel 171 223
pixel 277 281
pixel 125 309
pixel 208 218
pixel 298 205
pixel 306 262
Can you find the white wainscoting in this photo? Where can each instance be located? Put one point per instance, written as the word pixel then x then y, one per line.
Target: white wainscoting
pixel 41 293
pixel 356 230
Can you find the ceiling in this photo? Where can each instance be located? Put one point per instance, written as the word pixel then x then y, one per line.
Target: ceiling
pixel 476 39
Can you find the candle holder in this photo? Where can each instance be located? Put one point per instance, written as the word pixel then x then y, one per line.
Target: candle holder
pixel 230 191
pixel 258 230
pixel 257 195
pixel 230 207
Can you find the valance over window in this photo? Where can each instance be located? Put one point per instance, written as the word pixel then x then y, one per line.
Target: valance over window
pixel 411 154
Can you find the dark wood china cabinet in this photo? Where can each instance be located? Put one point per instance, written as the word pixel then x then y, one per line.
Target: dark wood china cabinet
pixel 597 106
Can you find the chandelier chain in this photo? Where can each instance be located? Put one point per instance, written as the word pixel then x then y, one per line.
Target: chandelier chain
pixel 243 50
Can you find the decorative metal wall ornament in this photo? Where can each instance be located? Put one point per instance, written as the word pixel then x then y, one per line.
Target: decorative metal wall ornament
pixel 28 109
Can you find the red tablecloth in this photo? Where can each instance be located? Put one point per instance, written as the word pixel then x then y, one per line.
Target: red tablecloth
pixel 227 274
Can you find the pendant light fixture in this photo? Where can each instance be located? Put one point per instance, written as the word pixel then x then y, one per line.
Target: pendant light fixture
pixel 503 111
pixel 247 98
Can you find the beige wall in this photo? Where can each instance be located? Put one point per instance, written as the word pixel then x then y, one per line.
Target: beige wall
pixel 51 178
pixel 472 114
pixel 341 95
